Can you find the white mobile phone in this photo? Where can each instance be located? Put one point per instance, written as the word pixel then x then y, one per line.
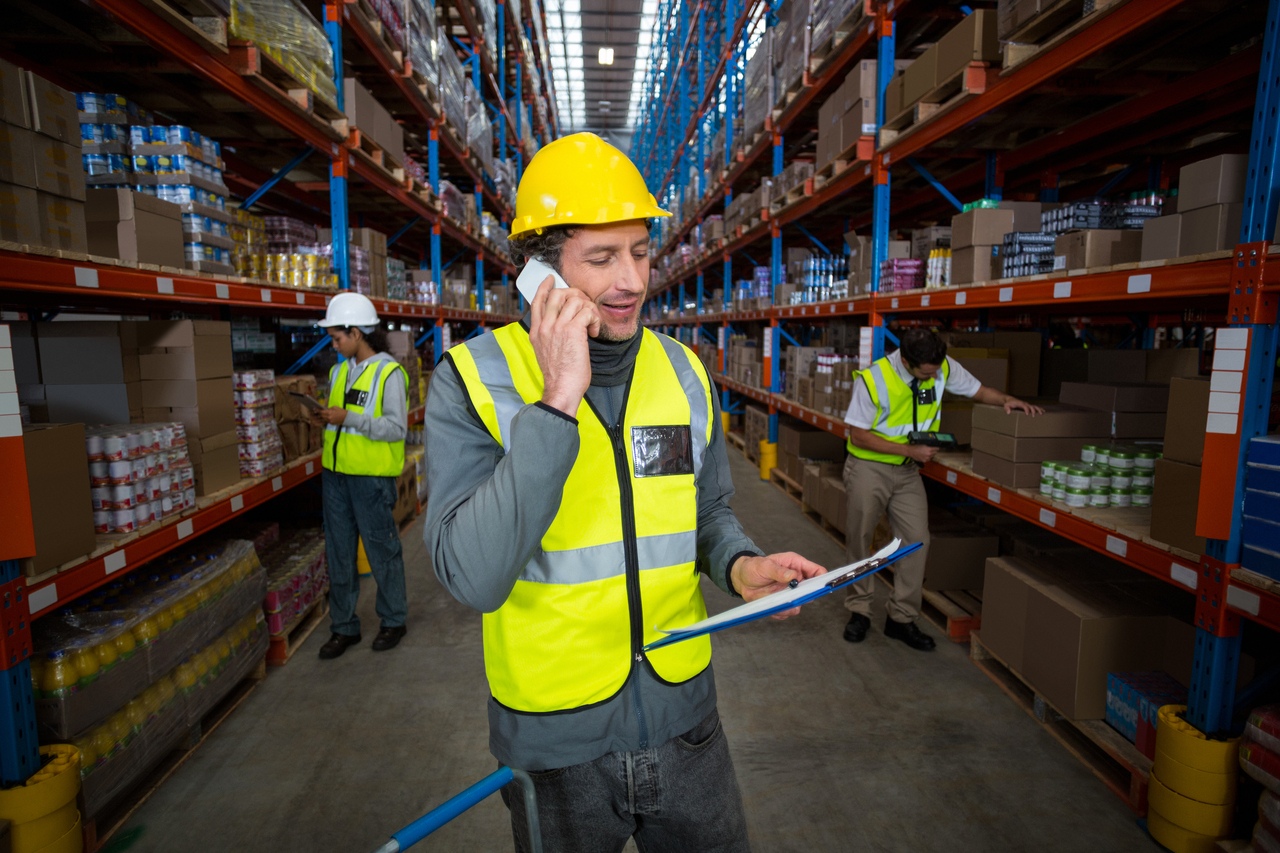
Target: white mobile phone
pixel 531 277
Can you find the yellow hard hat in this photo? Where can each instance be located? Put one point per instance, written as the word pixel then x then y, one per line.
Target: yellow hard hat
pixel 581 180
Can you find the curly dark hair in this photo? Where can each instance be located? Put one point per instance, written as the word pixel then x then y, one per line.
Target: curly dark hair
pixel 547 245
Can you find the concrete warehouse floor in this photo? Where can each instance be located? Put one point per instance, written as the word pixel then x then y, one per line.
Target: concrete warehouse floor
pixel 837 747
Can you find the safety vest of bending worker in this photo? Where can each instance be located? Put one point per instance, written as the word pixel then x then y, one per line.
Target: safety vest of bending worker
pixel 900 410
pixel 352 453
pixel 572 628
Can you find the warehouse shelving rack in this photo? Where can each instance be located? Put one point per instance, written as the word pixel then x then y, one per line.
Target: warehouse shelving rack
pixel 1231 289
pixel 43 282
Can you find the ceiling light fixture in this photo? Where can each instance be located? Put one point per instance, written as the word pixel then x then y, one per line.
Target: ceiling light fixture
pixel 606 56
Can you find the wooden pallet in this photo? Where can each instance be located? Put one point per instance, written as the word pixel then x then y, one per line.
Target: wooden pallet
pixel 819 55
pixel 828 172
pixel 1102 749
pixel 956 613
pixel 789 487
pixel 283 646
pixel 112 821
pixel 363 146
pixel 374 24
pixel 1035 38
pixel 959 88
pixel 262 70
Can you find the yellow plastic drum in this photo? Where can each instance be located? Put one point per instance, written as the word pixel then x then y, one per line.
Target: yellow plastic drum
pixel 1192 815
pixel 1178 839
pixel 1215 788
pixel 362 559
pixel 1186 744
pixel 724 422
pixel 768 457
pixel 43 811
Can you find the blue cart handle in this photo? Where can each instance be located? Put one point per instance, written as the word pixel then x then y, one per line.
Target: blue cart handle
pixel 439 816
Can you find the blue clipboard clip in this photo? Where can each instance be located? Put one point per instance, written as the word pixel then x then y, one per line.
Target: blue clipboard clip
pixel 866 570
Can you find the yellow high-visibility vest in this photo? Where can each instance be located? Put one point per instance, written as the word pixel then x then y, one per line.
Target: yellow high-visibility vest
pixel 349 452
pixel 892 399
pixel 620 556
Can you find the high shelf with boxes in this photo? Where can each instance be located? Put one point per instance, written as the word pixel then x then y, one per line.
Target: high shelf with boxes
pixel 1118 204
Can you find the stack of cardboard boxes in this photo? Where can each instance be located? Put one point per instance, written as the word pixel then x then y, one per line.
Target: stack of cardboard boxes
pixel 373 120
pixel 972 40
pixel 1008 357
pixel 798 364
pixel 976 236
pixel 745 361
pixel 297 434
pixel 42 188
pixel 1137 409
pixel 847 115
pixel 58 487
pixel 373 245
pixel 134 226
pixel 755 427
pixel 1210 202
pixel 800 445
pixel 87 371
pixel 958 552
pixel 400 347
pixel 860 259
pixel 1176 499
pixel 1008 448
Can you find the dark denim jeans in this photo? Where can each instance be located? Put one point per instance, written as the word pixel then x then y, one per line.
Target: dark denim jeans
pixel 357 507
pixel 680 797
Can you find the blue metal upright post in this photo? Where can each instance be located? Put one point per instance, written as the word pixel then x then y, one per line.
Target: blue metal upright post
pixel 19 744
pixel 502 81
pixel 338 164
pixel 880 175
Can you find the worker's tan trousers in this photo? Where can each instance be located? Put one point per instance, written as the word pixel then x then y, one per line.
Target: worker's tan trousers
pixel 872 490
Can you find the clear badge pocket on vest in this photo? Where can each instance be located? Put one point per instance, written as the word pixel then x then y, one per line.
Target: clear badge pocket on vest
pixel 356 398
pixel 661 451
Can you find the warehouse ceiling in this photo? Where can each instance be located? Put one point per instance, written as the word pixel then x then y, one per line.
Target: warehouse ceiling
pixel 591 95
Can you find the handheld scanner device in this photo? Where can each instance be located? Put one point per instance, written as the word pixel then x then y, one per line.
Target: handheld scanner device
pixel 533 275
pixel 944 440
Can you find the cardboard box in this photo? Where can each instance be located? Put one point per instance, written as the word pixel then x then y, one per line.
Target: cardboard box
pixel 58 487
pixel 53 112
pixel 1006 588
pixel 218 469
pixel 211 394
pixel 210 421
pixel 958 557
pixel 920 77
pixel 19 215
pixel 58 168
pixel 991 370
pixel 1218 180
pixel 85 352
pixel 957 419
pixel 893 102
pixel 1097 247
pixel 1138 425
pixel 860 83
pixel 1057 421
pixel 806 442
pixel 1062 365
pixel 1210 229
pixel 974 39
pixel 175 333
pixel 975 263
pixel 1024 360
pixel 360 107
pixel 1175 505
pixel 133 226
pixel 1162 237
pixel 1163 365
pixel 17 156
pixel 60 223
pixel 833 502
pixel 88 404
pixel 209 359
pixel 980 227
pixel 1116 397
pixel 859 121
pixel 1026 214
pixel 1013 449
pixel 1117 365
pixel 1015 475
pixel 1186 419
pixel 15 106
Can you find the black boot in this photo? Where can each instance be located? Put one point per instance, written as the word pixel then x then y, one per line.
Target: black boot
pixel 337 645
pixel 388 638
pixel 856 630
pixel 908 633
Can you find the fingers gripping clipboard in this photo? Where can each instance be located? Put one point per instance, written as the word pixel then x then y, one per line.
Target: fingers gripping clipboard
pixel 802 593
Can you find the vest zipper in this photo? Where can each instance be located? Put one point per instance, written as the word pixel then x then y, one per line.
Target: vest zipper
pixel 633 570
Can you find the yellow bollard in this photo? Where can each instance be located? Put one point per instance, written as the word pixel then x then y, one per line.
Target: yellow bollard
pixel 362 561
pixel 724 422
pixel 42 813
pixel 768 457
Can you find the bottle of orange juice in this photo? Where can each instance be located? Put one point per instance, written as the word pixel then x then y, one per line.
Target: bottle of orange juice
pixel 167 691
pixel 185 677
pixel 146 629
pixel 164 618
pixel 60 675
pixel 105 651
pixel 104 743
pixel 87 665
pixel 37 675
pixel 136 713
pixel 120 729
pixel 88 755
pixel 123 641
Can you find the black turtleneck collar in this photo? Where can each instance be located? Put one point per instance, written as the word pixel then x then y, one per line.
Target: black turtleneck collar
pixel 611 361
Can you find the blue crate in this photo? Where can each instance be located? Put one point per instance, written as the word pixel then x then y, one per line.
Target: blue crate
pixel 1260 560
pixel 1263 477
pixel 1261 533
pixel 1260 504
pixel 1265 450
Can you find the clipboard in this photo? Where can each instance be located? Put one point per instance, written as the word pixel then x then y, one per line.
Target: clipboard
pixel 802 593
pixel 310 402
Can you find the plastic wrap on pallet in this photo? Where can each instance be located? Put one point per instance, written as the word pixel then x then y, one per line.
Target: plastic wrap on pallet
pixel 420 43
pixel 452 93
pixel 758 97
pixel 790 44
pixel 285 31
pixel 389 13
pixel 454 202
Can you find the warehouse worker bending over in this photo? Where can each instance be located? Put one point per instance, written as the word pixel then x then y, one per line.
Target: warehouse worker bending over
pixel 579 486
pixel 899 394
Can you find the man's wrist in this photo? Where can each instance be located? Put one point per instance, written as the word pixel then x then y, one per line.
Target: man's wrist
pixel 562 403
pixel 728 572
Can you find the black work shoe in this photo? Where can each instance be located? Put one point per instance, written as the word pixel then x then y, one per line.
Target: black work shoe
pixel 388 638
pixel 908 633
pixel 856 630
pixel 337 645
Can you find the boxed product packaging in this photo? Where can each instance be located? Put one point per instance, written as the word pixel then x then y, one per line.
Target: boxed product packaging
pixel 957 419
pixel 1015 475
pixel 53 112
pixel 980 227
pixel 833 502
pixel 1175 504
pixel 81 352
pixel 1186 418
pixel 19 214
pixel 58 168
pixel 1217 180
pixel 974 39
pixel 1162 237
pixel 207 395
pixel 60 223
pixel 1013 449
pixel 1116 396
pixel 805 442
pixel 216 461
pixel 920 77
pixel 1026 214
pixel 988 366
pixel 1096 247
pixel 15 105
pixel 1133 700
pixel 134 226
pixel 1062 365
pixel 1006 588
pixel 197 349
pixel 1164 365
pixel 58 487
pixel 1057 421
pixel 1210 229
pixel 1116 365
pixel 958 557
pixel 1024 360
pixel 975 263
pixel 17 156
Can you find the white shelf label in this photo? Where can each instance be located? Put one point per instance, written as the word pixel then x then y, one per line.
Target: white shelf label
pixel 164 285
pixel 951 477
pixel 1228 359
pixel 1222 424
pixel 924 301
pixel 266 295
pixel 1241 600
pixel 222 291
pixel 114 562
pixel 311 467
pixel 893 303
pixel 1048 518
pixel 1140 283
pixel 993 495
pixel 1117 546
pixel 237 503
pixel 768 343
pixel 1231 339
pixel 42 598
pixel 1183 575
pixel 1220 401
pixel 277 484
pixel 86 277
pixel 301 297
pixel 961 297
pixel 1061 289
pixel 1006 294
pixel 186 528
pixel 1227 381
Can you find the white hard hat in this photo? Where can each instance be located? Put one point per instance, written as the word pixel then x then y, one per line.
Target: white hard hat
pixel 349 309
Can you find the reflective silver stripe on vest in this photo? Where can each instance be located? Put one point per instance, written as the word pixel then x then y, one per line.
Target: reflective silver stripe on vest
pixel 598 562
pixel 692 385
pixel 882 397
pixel 376 389
pixel 495 373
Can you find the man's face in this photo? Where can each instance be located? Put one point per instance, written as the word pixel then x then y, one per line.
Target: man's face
pixel 923 372
pixel 610 264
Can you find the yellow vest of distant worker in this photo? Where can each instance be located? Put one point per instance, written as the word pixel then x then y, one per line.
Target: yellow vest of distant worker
pixel 892 399
pixel 620 555
pixel 349 452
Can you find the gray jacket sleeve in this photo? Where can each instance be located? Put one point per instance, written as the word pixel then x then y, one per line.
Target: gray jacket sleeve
pixel 721 538
pixel 487 510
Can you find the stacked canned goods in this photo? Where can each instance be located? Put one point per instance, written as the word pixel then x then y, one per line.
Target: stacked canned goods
pixel 260 449
pixel 1114 475
pixel 138 473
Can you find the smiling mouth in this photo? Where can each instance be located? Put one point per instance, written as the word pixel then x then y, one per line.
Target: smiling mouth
pixel 619 310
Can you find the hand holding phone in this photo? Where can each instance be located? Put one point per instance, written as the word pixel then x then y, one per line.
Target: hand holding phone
pixel 561 321
pixel 533 275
